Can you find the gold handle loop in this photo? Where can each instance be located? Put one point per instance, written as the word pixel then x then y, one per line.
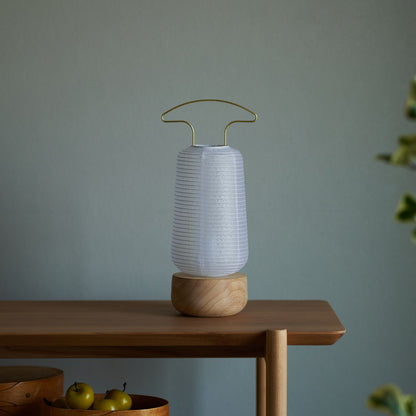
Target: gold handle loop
pixel 209 99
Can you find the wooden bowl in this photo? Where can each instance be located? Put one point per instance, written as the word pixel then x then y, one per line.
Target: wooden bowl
pixel 141 406
pixel 22 388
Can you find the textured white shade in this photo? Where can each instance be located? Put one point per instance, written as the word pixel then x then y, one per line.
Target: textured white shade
pixel 210 225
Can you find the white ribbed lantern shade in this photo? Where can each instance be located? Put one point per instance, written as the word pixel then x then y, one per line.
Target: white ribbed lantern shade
pixel 210 223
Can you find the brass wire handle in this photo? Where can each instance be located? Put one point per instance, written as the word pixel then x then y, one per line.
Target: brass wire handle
pixel 203 100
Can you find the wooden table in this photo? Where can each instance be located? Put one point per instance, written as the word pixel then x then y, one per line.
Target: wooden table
pixel 51 329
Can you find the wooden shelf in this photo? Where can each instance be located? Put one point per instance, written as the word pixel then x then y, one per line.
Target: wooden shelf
pixel 154 329
pixel 264 329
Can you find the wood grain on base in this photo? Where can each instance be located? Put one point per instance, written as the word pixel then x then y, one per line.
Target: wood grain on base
pixel 209 296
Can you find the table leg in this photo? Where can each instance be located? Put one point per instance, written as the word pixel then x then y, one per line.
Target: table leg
pixel 260 386
pixel 276 372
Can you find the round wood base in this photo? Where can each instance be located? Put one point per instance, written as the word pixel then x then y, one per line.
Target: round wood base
pixel 209 296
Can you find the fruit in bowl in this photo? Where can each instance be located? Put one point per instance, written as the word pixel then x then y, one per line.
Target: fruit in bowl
pixel 80 400
pixel 105 404
pixel 79 396
pixel 122 399
pixel 60 402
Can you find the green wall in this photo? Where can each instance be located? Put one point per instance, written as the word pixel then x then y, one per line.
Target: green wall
pixel 87 175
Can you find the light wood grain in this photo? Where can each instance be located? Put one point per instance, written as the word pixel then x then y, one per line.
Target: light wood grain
pixel 276 373
pixel 260 386
pixel 209 296
pixel 155 329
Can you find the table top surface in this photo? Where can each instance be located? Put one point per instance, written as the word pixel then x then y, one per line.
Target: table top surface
pixel 155 329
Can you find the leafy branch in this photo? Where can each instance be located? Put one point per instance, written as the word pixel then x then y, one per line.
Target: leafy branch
pixel 405 155
pixel 390 400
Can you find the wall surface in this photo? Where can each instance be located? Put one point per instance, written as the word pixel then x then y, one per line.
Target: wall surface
pixel 87 175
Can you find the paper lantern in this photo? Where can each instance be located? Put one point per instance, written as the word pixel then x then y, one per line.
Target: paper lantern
pixel 209 236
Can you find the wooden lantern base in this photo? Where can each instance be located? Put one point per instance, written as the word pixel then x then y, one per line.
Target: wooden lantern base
pixel 209 296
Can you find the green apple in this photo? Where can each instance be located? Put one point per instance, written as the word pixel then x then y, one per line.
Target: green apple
pixel 79 396
pixel 105 404
pixel 121 397
pixel 60 402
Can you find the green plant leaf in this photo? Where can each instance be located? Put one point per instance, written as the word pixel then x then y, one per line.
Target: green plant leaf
pixel 405 154
pixel 388 399
pixel 414 235
pixel 411 101
pixel 410 404
pixel 410 201
pixel 406 209
pixel 407 140
pixel 411 109
pixel 385 157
